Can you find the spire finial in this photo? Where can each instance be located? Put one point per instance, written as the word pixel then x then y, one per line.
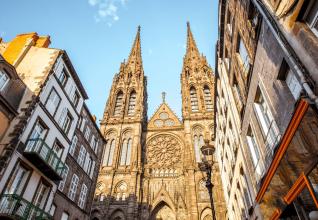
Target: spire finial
pixel 135 53
pixel 163 97
pixel 191 45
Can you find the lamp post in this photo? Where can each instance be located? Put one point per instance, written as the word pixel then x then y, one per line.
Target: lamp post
pixel 207 164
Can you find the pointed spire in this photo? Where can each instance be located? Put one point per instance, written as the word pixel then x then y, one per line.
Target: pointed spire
pixel 191 45
pixel 135 53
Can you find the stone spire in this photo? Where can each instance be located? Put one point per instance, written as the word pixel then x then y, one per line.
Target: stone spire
pixel 135 53
pixel 192 50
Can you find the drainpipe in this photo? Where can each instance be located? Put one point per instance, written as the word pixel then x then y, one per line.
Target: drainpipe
pixel 291 55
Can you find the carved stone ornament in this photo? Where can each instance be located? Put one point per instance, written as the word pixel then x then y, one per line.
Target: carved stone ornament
pixel 163 150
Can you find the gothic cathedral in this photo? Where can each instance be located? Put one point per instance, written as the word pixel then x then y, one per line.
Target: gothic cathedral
pixel 150 168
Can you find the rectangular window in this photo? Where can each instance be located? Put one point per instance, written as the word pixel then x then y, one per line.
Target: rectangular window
pixel 87 133
pixel 229 22
pixel 83 124
pixel 92 170
pixel 93 142
pixel 67 123
pixel 82 196
pixel 253 147
pixel 267 123
pixel 4 79
pixel 252 14
pixel 285 74
pixel 87 162
pixel 81 156
pixel 52 102
pixel 17 180
pixel 73 187
pixel 52 210
pixel 65 216
pixel 311 16
pixel 96 146
pixel 41 194
pixel 75 98
pixel 39 131
pixel 73 145
pixel 63 77
pixel 64 176
pixel 227 60
pixel 241 49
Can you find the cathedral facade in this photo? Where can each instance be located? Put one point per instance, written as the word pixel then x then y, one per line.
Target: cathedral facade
pixel 151 168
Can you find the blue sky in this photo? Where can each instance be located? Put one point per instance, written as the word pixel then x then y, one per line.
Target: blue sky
pixel 98 35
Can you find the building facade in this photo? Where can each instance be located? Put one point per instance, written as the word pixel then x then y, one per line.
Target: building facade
pixel 11 93
pixel 150 169
pixel 75 194
pixel 35 149
pixel 266 100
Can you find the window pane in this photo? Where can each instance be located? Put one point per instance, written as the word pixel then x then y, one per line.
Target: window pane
pixel 52 102
pixel 4 79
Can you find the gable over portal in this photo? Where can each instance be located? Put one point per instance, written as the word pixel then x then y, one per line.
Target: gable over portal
pixel 164 118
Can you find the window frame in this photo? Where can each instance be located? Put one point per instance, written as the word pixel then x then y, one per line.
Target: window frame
pixel 64 178
pixel 66 74
pixel 4 72
pixel 67 128
pixel 82 197
pixel 58 104
pixel 73 187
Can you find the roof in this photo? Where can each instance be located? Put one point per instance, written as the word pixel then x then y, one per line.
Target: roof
pixel 74 74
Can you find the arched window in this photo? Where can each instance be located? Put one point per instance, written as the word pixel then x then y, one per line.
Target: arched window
pixel 132 103
pixel 194 100
pixel 109 153
pixel 118 103
pixel 121 190
pixel 198 143
pixel 125 152
pixel 207 99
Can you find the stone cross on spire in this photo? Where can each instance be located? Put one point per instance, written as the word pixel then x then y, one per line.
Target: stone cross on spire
pixel 163 97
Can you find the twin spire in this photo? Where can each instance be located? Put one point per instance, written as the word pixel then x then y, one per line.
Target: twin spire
pixel 135 53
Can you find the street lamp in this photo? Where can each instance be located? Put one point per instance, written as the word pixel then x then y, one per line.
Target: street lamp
pixel 207 164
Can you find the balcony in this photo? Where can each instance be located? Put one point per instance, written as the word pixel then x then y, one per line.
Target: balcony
pixel 44 158
pixel 13 206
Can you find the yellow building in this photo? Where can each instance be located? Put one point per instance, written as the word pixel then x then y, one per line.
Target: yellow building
pixel 150 168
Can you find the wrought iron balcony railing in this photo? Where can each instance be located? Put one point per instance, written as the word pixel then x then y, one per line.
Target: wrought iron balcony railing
pixel 45 158
pixel 15 207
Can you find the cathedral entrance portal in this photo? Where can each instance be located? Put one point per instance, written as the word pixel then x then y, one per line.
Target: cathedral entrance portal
pixel 163 212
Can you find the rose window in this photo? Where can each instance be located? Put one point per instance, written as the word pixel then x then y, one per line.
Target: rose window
pixel 163 150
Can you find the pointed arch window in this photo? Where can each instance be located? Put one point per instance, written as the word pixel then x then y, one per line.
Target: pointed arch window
pixel 126 152
pixel 121 190
pixel 132 103
pixel 208 98
pixel 109 153
pixel 118 103
pixel 198 143
pixel 194 99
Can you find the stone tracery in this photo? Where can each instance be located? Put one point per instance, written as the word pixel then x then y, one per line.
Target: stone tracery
pixel 163 150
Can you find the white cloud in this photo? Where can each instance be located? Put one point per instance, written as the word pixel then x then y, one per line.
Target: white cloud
pixel 107 10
